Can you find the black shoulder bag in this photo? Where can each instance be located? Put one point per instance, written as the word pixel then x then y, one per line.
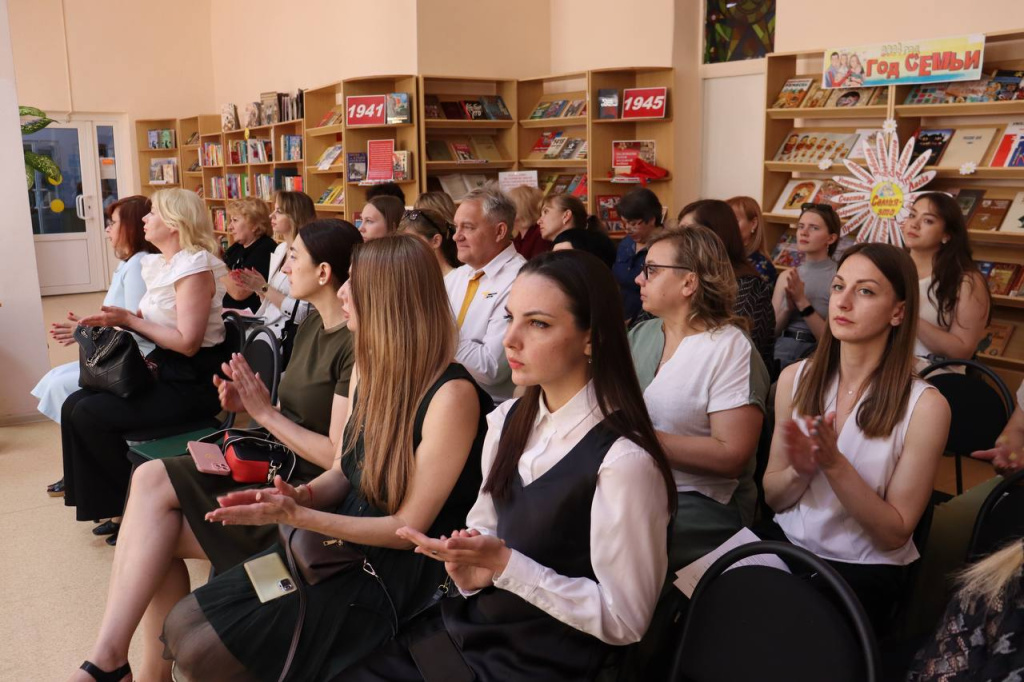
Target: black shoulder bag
pixel 110 361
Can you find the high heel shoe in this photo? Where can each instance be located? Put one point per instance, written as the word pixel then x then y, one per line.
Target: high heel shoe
pixel 103 676
pixel 56 489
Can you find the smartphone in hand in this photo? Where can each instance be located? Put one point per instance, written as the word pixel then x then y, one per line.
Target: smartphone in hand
pixel 208 458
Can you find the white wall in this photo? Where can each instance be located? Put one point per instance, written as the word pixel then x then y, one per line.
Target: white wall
pixel 23 356
pixel 733 135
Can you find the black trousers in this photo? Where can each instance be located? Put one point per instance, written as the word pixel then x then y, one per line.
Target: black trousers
pixel 93 424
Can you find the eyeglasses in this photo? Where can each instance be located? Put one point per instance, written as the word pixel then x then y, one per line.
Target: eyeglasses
pixel 416 214
pixel 818 207
pixel 650 269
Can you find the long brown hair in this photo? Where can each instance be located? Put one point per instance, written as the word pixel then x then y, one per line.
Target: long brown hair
pixel 395 279
pixel 298 206
pixel 132 238
pixel 751 210
pixel 953 261
pixel 888 390
pixel 719 217
pixel 595 306
pixel 700 251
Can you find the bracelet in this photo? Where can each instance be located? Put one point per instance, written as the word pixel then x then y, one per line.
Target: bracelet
pixel 309 489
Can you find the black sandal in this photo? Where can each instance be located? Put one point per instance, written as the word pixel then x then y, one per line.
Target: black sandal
pixel 104 676
pixel 56 489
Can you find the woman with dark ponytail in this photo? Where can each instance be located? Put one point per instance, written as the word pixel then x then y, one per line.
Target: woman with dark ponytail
pixel 565 223
pixel 565 550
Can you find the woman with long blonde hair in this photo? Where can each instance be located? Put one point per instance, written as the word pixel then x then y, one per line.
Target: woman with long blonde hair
pixel 851 468
pixel 410 457
pixel 181 315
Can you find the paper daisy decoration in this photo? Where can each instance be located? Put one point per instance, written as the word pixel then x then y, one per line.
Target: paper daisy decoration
pixel 968 168
pixel 881 196
pixel 825 164
pixel 889 126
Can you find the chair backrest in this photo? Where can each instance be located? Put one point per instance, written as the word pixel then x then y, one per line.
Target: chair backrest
pixel 760 623
pixel 263 353
pixel 234 331
pixel 1000 518
pixel 980 403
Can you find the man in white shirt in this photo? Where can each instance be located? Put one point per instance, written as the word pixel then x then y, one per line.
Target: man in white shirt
pixel 479 289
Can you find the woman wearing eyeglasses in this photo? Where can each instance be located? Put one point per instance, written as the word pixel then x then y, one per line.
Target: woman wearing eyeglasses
pixel 801 294
pixel 433 227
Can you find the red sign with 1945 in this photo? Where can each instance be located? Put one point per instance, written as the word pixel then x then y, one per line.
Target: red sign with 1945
pixel 644 102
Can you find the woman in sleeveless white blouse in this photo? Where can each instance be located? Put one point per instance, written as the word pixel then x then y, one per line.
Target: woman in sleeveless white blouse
pixel 850 474
pixel 955 300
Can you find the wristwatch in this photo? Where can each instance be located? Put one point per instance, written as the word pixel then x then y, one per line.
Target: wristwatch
pixel 263 289
pixel 806 312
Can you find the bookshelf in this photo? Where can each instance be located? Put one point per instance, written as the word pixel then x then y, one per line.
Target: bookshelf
pixel 188 154
pixel 319 102
pixel 437 132
pixel 405 135
pixel 1004 50
pixel 289 157
pixel 146 155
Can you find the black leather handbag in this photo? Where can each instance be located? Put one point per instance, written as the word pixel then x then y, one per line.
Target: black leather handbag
pixel 110 361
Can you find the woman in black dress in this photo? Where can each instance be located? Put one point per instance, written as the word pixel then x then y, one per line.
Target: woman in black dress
pixel 249 225
pixel 565 550
pixel 410 457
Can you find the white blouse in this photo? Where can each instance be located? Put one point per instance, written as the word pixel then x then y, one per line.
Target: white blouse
pixel 159 303
pixel 628 536
pixel 291 308
pixel 819 522
pixel 126 291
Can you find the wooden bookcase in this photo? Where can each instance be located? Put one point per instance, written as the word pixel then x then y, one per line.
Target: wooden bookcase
pixel 295 166
pixel 318 101
pixel 405 135
pixel 146 155
pixel 1002 51
pixel 188 155
pixel 504 133
pixel 210 134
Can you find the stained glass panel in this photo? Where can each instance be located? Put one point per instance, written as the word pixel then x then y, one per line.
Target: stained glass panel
pixel 735 30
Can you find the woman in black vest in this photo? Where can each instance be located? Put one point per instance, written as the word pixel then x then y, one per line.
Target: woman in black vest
pixel 565 549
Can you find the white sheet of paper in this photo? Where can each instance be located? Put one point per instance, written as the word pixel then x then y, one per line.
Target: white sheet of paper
pixel 510 179
pixel 688 576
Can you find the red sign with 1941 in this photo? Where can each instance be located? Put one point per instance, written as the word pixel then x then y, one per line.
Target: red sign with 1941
pixel 644 102
pixel 366 110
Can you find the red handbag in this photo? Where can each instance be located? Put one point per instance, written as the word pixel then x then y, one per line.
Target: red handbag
pixel 254 457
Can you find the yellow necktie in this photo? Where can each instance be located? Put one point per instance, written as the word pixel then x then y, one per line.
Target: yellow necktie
pixel 474 284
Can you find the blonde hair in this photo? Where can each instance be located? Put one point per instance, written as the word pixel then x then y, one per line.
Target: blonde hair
pixel 699 250
pixel 396 279
pixel 297 207
pixel 184 211
pixel 749 207
pixel 528 202
pixel 254 211
pixel 438 201
pixel 989 578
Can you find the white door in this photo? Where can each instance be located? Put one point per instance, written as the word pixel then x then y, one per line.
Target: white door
pixel 67 219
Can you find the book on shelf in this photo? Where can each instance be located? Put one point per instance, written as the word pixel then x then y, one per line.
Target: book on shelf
pixel 291 148
pixel 462 150
pixel 540 109
pixel 607 103
pixel 867 138
pixel 1009 85
pixel 816 97
pixel 438 150
pixel 269 113
pixel 880 98
pixel 997 338
pixel 163 171
pixel 989 214
pixel 454 111
pixel 355 163
pixel 963 92
pixel 401 165
pixel 1017 288
pixel 1014 220
pixel 263 185
pixel 581 151
pixel 571 148
pixel 398 109
pixel 252 114
pixel 261 150
pixel 793 93
pixel 968 145
pixel 580 187
pixel 236 185
pixel 555 109
pixel 192 139
pixel 1010 150
pixel 485 147
pixel 608 212
pixel 228 118
pixel 1003 85
pixel 933 140
pixel 212 154
pixel 194 166
pixel 967 199
pixel 474 109
pixel 220 219
pixel 333 195
pixel 328 157
pixel 813 146
pixel 458 185
pixel 200 192
pixel 1001 278
pixel 926 94
pixel 543 143
pixel 850 97
pixel 494 107
pixel 785 252
pixel 238 152
pixel 576 108
pixel 562 183
pixel 794 195
pixel 555 148
pixel 287 179
pixel 161 138
pixel 624 151
pixel 333 116
pixel 829 193
pixel 217 188
pixel 432 107
pixel 290 107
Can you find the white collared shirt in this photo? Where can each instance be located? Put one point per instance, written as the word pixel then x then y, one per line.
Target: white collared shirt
pixel 629 520
pixel 480 348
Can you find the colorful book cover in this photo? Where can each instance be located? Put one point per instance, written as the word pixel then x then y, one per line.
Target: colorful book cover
pixel 540 109
pixel 962 92
pixel 968 144
pixel 543 143
pixel 461 150
pixel 556 147
pixel 494 107
pixel 935 140
pixel 795 194
pixel 788 147
pixel 379 159
pixel 880 97
pixel 926 94
pixel 356 163
pixel 1012 134
pixel 792 93
pixel 474 110
pixel 575 108
pixel 399 110
pixel 432 108
pixel 1009 85
pixel 850 97
pixel 785 254
pixel 608 212
pixel 997 338
pixel 556 108
pixel 1001 277
pixel 989 214
pixel 816 98
pixel 572 145
pixel 607 103
pixel 581 152
pixel 1014 220
pixel 968 200
pixel 829 193
pixel 401 165
pixel 153 139
pixel 624 151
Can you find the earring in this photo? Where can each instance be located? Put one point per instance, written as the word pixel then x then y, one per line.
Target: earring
pixel 945 241
pixel 590 360
pixel 322 282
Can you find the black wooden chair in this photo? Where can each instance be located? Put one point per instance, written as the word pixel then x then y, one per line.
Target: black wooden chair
pixel 761 623
pixel 980 403
pixel 1000 518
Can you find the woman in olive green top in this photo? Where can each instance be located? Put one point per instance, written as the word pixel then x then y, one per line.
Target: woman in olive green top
pixel 163 521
